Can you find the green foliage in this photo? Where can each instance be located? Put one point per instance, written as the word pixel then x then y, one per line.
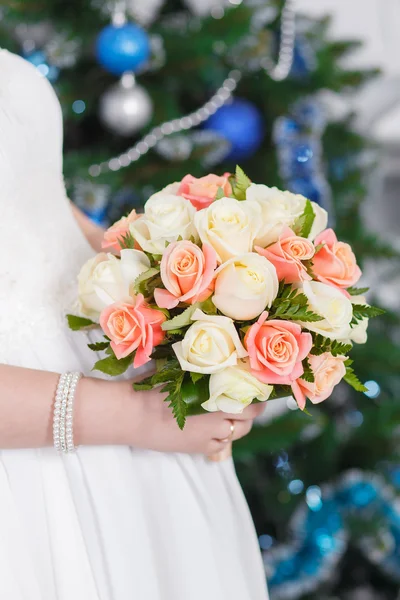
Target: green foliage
pixel 304 223
pixel 180 321
pixel 220 194
pixel 195 376
pixel 308 374
pixel 354 291
pixel 170 377
pixel 322 344
pixel 352 379
pixel 240 183
pixel 75 323
pixel 146 282
pixel 292 305
pixel 98 346
pixel 127 241
pixel 364 311
pixel 112 366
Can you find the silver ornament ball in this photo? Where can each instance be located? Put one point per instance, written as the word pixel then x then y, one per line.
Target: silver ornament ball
pixel 126 107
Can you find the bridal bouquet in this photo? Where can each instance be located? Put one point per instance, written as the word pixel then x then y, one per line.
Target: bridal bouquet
pixel 238 291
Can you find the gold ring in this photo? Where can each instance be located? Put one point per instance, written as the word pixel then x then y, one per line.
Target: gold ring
pixel 230 436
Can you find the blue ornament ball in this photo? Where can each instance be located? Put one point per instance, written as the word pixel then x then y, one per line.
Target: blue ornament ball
pixel 39 59
pixel 242 124
pixel 122 48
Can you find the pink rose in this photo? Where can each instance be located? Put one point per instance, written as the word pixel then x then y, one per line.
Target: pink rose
pixel 328 370
pixel 201 192
pixel 187 273
pixel 286 256
pixel 276 349
pixel 133 326
pixel 116 232
pixel 335 264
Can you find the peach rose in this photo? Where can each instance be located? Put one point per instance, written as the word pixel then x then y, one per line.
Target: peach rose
pixel 187 273
pixel 201 192
pixel 335 264
pixel 133 325
pixel 276 349
pixel 116 232
pixel 286 256
pixel 328 371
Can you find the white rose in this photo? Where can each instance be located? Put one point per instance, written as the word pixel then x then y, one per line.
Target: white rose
pixel 234 388
pixel 332 305
pixel 166 218
pixel 244 286
pixel 229 226
pixel 358 333
pixel 210 344
pixel 105 279
pixel 280 209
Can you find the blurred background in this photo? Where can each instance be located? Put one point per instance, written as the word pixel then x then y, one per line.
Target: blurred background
pixel 304 95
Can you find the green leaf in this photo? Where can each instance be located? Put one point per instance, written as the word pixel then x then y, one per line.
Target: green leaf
pixel 162 351
pixel 352 379
pixel 75 323
pixel 364 311
pixel 240 184
pixel 112 366
pixel 182 320
pixel 322 344
pixel 97 346
pixel 143 386
pixel 176 402
pixel 195 376
pixel 194 394
pixel 208 307
pixel 304 223
pixel 140 283
pixel 127 241
pixel 354 291
pixel 292 305
pixel 220 194
pixel 308 374
pixel 340 348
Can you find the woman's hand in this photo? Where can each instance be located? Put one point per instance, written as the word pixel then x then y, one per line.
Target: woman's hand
pixel 156 429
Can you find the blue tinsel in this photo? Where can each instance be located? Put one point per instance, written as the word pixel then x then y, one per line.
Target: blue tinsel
pixel 320 535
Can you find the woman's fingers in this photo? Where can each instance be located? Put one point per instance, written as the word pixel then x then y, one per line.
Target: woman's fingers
pixel 250 413
pixel 231 430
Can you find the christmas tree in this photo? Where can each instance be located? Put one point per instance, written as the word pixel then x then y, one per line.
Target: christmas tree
pixel 218 83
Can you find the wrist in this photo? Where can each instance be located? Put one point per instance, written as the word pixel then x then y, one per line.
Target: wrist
pixel 106 413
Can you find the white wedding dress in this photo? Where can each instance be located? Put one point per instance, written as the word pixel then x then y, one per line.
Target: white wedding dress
pixel 108 523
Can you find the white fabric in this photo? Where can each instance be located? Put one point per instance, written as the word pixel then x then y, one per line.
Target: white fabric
pixel 109 523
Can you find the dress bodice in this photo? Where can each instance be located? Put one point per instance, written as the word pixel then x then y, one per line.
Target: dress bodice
pixel 41 246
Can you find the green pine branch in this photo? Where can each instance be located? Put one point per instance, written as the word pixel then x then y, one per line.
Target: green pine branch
pixel 292 305
pixel 364 311
pixel 352 379
pixel 308 374
pixel 322 344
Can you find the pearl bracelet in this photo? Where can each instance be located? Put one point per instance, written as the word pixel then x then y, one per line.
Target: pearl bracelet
pixel 63 433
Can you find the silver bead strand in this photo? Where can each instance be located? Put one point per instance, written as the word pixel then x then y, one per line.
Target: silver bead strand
pixel 61 395
pixel 156 134
pixel 69 419
pixel 61 410
pixel 278 72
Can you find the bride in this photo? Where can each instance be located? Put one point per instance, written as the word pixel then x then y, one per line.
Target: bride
pixel 138 512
